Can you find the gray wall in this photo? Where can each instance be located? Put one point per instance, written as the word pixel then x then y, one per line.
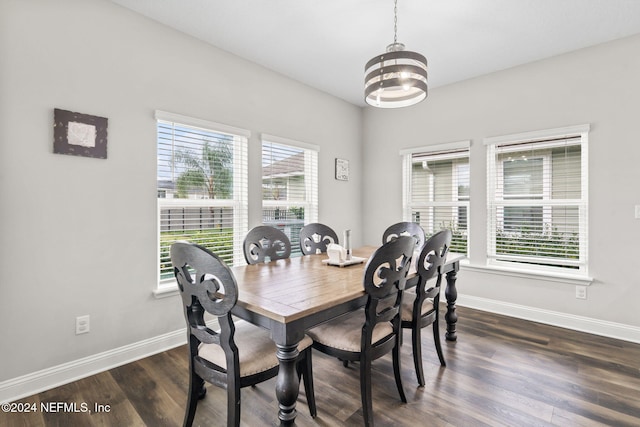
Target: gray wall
pixel 597 85
pixel 78 235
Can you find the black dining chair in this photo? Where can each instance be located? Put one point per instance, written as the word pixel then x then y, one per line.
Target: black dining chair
pixel 264 242
pixel 315 238
pixel 370 333
pixel 421 309
pixel 239 354
pixel 405 229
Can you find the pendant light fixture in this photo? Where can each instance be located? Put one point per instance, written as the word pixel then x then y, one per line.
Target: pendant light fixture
pixel 396 78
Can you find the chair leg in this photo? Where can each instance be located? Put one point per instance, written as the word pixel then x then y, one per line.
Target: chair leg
pixel 436 340
pixel 196 385
pixel 307 372
pixel 416 342
pixel 397 370
pixel 365 391
pixel 233 405
pixel 203 392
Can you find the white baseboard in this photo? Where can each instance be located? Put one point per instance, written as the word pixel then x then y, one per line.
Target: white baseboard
pixel 36 382
pixel 578 323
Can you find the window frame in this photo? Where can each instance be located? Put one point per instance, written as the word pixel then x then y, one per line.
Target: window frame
pixel 549 138
pixel 238 202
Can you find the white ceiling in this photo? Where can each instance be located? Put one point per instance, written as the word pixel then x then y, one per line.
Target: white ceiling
pixel 325 43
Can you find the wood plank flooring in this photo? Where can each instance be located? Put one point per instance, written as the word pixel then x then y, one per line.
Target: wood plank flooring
pixel 501 372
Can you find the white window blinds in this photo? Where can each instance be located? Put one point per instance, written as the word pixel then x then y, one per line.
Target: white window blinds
pixel 289 186
pixel 537 200
pixel 436 190
pixel 202 187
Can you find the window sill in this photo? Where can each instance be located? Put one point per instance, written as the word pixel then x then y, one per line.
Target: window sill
pixel 571 279
pixel 167 289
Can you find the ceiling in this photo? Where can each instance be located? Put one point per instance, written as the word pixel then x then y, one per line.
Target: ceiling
pixel 325 43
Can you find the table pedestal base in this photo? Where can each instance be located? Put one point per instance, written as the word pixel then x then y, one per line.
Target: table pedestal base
pixel 287 384
pixel 451 293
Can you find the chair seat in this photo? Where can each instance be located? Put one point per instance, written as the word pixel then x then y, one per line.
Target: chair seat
pixel 256 350
pixel 406 312
pixel 345 332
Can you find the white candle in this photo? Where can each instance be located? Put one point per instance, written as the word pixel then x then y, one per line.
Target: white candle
pixel 347 243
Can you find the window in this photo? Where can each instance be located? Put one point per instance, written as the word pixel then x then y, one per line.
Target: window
pixel 537 200
pixel 289 186
pixel 202 187
pixel 436 190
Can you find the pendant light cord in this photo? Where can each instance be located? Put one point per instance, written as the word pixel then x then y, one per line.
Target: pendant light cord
pixel 395 21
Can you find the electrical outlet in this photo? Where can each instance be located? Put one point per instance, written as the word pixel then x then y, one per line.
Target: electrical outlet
pixel 581 292
pixel 82 325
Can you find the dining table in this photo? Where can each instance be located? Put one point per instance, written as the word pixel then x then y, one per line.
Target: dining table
pixel 290 296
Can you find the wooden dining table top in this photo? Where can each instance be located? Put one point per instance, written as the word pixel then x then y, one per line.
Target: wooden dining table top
pixel 291 289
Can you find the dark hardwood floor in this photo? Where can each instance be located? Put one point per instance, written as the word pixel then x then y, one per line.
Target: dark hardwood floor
pixel 501 372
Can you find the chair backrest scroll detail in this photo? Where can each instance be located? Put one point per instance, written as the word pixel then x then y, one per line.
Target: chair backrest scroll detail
pixel 264 242
pixel 405 229
pixel 315 237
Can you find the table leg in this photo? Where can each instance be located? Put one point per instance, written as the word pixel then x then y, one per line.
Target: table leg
pixel 451 293
pixel 287 383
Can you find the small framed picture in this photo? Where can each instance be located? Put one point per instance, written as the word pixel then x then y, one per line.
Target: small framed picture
pixel 79 134
pixel 342 170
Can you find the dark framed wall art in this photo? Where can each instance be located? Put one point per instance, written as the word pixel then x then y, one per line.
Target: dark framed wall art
pixel 79 134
